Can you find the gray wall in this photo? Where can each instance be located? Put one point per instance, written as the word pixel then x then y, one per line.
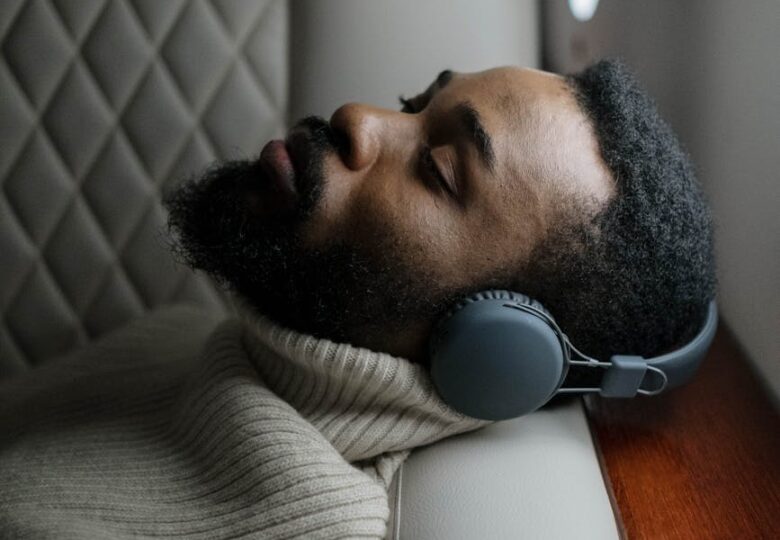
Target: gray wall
pixel 378 49
pixel 712 65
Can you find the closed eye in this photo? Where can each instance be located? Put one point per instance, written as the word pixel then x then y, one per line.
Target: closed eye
pixel 431 168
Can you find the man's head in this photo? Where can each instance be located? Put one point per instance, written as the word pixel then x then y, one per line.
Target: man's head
pixel 570 190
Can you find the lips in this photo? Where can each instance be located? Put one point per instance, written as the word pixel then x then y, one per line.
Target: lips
pixel 277 164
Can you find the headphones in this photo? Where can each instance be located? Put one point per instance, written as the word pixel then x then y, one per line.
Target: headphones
pixel 499 354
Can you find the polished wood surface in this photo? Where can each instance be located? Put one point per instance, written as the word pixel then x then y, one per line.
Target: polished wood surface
pixel 701 461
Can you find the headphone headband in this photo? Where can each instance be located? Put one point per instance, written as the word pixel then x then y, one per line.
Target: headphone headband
pixel 628 375
pixel 680 365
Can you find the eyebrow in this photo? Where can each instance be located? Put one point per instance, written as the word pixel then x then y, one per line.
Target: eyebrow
pixel 470 119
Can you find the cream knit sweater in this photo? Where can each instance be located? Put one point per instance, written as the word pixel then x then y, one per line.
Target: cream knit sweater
pixel 183 426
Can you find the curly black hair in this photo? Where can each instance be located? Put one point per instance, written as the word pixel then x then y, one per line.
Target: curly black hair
pixel 635 277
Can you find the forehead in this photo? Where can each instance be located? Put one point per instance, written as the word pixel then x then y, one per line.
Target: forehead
pixel 515 90
pixel 519 78
pixel 545 145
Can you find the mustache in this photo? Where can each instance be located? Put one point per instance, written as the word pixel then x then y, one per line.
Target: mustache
pixel 321 136
pixel 312 139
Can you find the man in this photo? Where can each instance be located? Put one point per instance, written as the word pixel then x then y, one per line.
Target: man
pixel 344 244
pixel 367 228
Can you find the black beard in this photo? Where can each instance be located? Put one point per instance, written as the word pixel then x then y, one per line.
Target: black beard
pixel 339 292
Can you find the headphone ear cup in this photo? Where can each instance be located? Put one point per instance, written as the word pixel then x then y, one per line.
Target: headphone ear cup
pixel 493 360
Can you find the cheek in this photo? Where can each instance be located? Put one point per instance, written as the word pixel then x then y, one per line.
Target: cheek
pixel 394 217
pixel 411 224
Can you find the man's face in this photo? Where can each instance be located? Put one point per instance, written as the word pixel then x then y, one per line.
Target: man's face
pixel 395 215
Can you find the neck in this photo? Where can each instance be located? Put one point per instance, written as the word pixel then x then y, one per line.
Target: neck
pixel 409 342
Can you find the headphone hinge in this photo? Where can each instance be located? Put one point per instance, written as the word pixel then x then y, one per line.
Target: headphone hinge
pixel 624 377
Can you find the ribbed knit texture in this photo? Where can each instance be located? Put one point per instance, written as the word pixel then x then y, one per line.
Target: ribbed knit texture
pixel 173 427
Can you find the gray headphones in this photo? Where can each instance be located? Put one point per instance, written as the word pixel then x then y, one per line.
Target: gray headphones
pixel 499 354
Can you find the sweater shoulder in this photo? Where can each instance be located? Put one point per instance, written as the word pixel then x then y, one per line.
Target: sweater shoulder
pixel 156 346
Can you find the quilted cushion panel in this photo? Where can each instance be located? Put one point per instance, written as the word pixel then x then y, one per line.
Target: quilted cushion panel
pixel 104 104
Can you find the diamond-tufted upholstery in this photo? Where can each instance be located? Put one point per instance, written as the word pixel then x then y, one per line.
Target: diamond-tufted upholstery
pixel 103 104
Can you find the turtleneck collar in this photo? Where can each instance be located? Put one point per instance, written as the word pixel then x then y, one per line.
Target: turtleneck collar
pixel 365 402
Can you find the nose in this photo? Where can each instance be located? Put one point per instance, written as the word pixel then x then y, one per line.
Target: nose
pixel 366 129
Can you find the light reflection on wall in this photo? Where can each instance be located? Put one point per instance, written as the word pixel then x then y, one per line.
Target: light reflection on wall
pixel 583 10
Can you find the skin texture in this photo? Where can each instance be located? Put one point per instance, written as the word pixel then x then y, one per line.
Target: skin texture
pixel 545 154
pixel 375 248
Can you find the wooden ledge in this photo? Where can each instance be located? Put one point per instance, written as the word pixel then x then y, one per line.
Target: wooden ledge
pixel 702 461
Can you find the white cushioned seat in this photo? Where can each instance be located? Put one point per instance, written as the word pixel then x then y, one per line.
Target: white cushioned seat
pixel 532 477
